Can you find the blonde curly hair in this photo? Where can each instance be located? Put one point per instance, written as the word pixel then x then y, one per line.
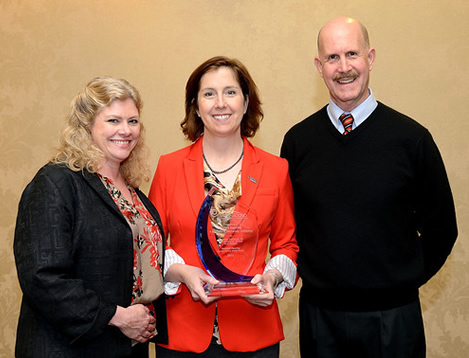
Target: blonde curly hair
pixel 77 150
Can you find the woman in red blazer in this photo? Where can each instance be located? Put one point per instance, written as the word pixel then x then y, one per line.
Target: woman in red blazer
pixel 222 110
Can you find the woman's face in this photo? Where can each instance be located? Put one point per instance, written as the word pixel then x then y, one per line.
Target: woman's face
pixel 115 131
pixel 221 103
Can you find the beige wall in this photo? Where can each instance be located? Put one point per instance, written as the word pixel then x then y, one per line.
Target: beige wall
pixel 51 48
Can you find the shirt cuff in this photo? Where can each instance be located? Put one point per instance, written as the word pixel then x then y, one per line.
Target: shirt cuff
pixel 287 268
pixel 171 258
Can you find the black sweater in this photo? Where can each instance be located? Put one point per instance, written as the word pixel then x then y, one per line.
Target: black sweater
pixel 374 209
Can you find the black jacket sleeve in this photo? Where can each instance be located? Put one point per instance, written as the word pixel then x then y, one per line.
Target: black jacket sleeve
pixel 48 234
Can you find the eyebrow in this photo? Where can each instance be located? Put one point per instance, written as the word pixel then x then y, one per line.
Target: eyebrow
pixel 227 87
pixel 119 116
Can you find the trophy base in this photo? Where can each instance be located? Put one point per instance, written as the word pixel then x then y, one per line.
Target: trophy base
pixel 226 289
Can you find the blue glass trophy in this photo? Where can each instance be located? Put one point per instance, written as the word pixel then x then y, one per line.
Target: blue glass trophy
pixel 230 261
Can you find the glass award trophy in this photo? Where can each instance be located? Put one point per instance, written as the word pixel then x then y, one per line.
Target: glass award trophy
pixel 230 261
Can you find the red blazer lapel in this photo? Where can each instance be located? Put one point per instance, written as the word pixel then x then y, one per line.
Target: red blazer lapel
pixel 194 176
pixel 251 174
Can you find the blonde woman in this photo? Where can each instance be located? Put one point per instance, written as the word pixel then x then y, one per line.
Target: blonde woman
pixel 88 243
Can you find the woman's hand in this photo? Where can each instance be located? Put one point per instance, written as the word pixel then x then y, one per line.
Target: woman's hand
pixel 194 278
pixel 269 282
pixel 135 322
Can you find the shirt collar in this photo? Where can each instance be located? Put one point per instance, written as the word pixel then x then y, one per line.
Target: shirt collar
pixel 359 113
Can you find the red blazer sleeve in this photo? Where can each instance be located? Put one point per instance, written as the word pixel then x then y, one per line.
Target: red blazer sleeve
pixel 157 193
pixel 283 230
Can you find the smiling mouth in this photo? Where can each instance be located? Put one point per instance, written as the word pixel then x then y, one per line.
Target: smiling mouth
pixel 221 116
pixel 345 81
pixel 346 78
pixel 121 142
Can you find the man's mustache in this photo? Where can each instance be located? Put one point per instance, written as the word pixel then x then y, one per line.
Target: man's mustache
pixel 345 76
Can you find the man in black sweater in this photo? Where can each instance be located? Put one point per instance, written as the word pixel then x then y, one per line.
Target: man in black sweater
pixel 374 210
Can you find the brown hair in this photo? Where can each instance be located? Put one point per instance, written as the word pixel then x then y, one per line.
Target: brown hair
pixel 193 127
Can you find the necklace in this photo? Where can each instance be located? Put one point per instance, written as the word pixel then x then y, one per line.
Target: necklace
pixel 224 170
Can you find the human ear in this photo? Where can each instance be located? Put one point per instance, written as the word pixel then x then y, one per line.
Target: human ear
pixel 246 103
pixel 371 57
pixel 196 108
pixel 318 64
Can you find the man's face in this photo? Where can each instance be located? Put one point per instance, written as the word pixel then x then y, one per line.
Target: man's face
pixel 344 62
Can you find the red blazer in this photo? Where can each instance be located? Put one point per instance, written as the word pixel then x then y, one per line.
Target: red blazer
pixel 177 191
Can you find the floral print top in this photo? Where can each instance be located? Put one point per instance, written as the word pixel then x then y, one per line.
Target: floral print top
pixel 147 244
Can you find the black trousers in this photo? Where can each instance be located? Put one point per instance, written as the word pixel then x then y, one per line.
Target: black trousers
pixel 393 333
pixel 140 350
pixel 218 351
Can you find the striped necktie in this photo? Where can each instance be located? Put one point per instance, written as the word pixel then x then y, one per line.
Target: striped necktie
pixel 347 121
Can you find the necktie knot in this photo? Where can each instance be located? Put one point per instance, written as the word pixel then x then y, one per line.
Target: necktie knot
pixel 347 121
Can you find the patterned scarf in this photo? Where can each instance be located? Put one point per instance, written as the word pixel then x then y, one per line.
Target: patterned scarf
pixel 223 204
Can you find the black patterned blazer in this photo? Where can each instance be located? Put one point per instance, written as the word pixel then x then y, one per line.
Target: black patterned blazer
pixel 74 257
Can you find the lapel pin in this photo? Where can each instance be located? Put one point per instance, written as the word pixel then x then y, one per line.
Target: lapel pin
pixel 252 179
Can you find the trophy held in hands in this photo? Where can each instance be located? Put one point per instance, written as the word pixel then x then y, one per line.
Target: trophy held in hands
pixel 230 259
